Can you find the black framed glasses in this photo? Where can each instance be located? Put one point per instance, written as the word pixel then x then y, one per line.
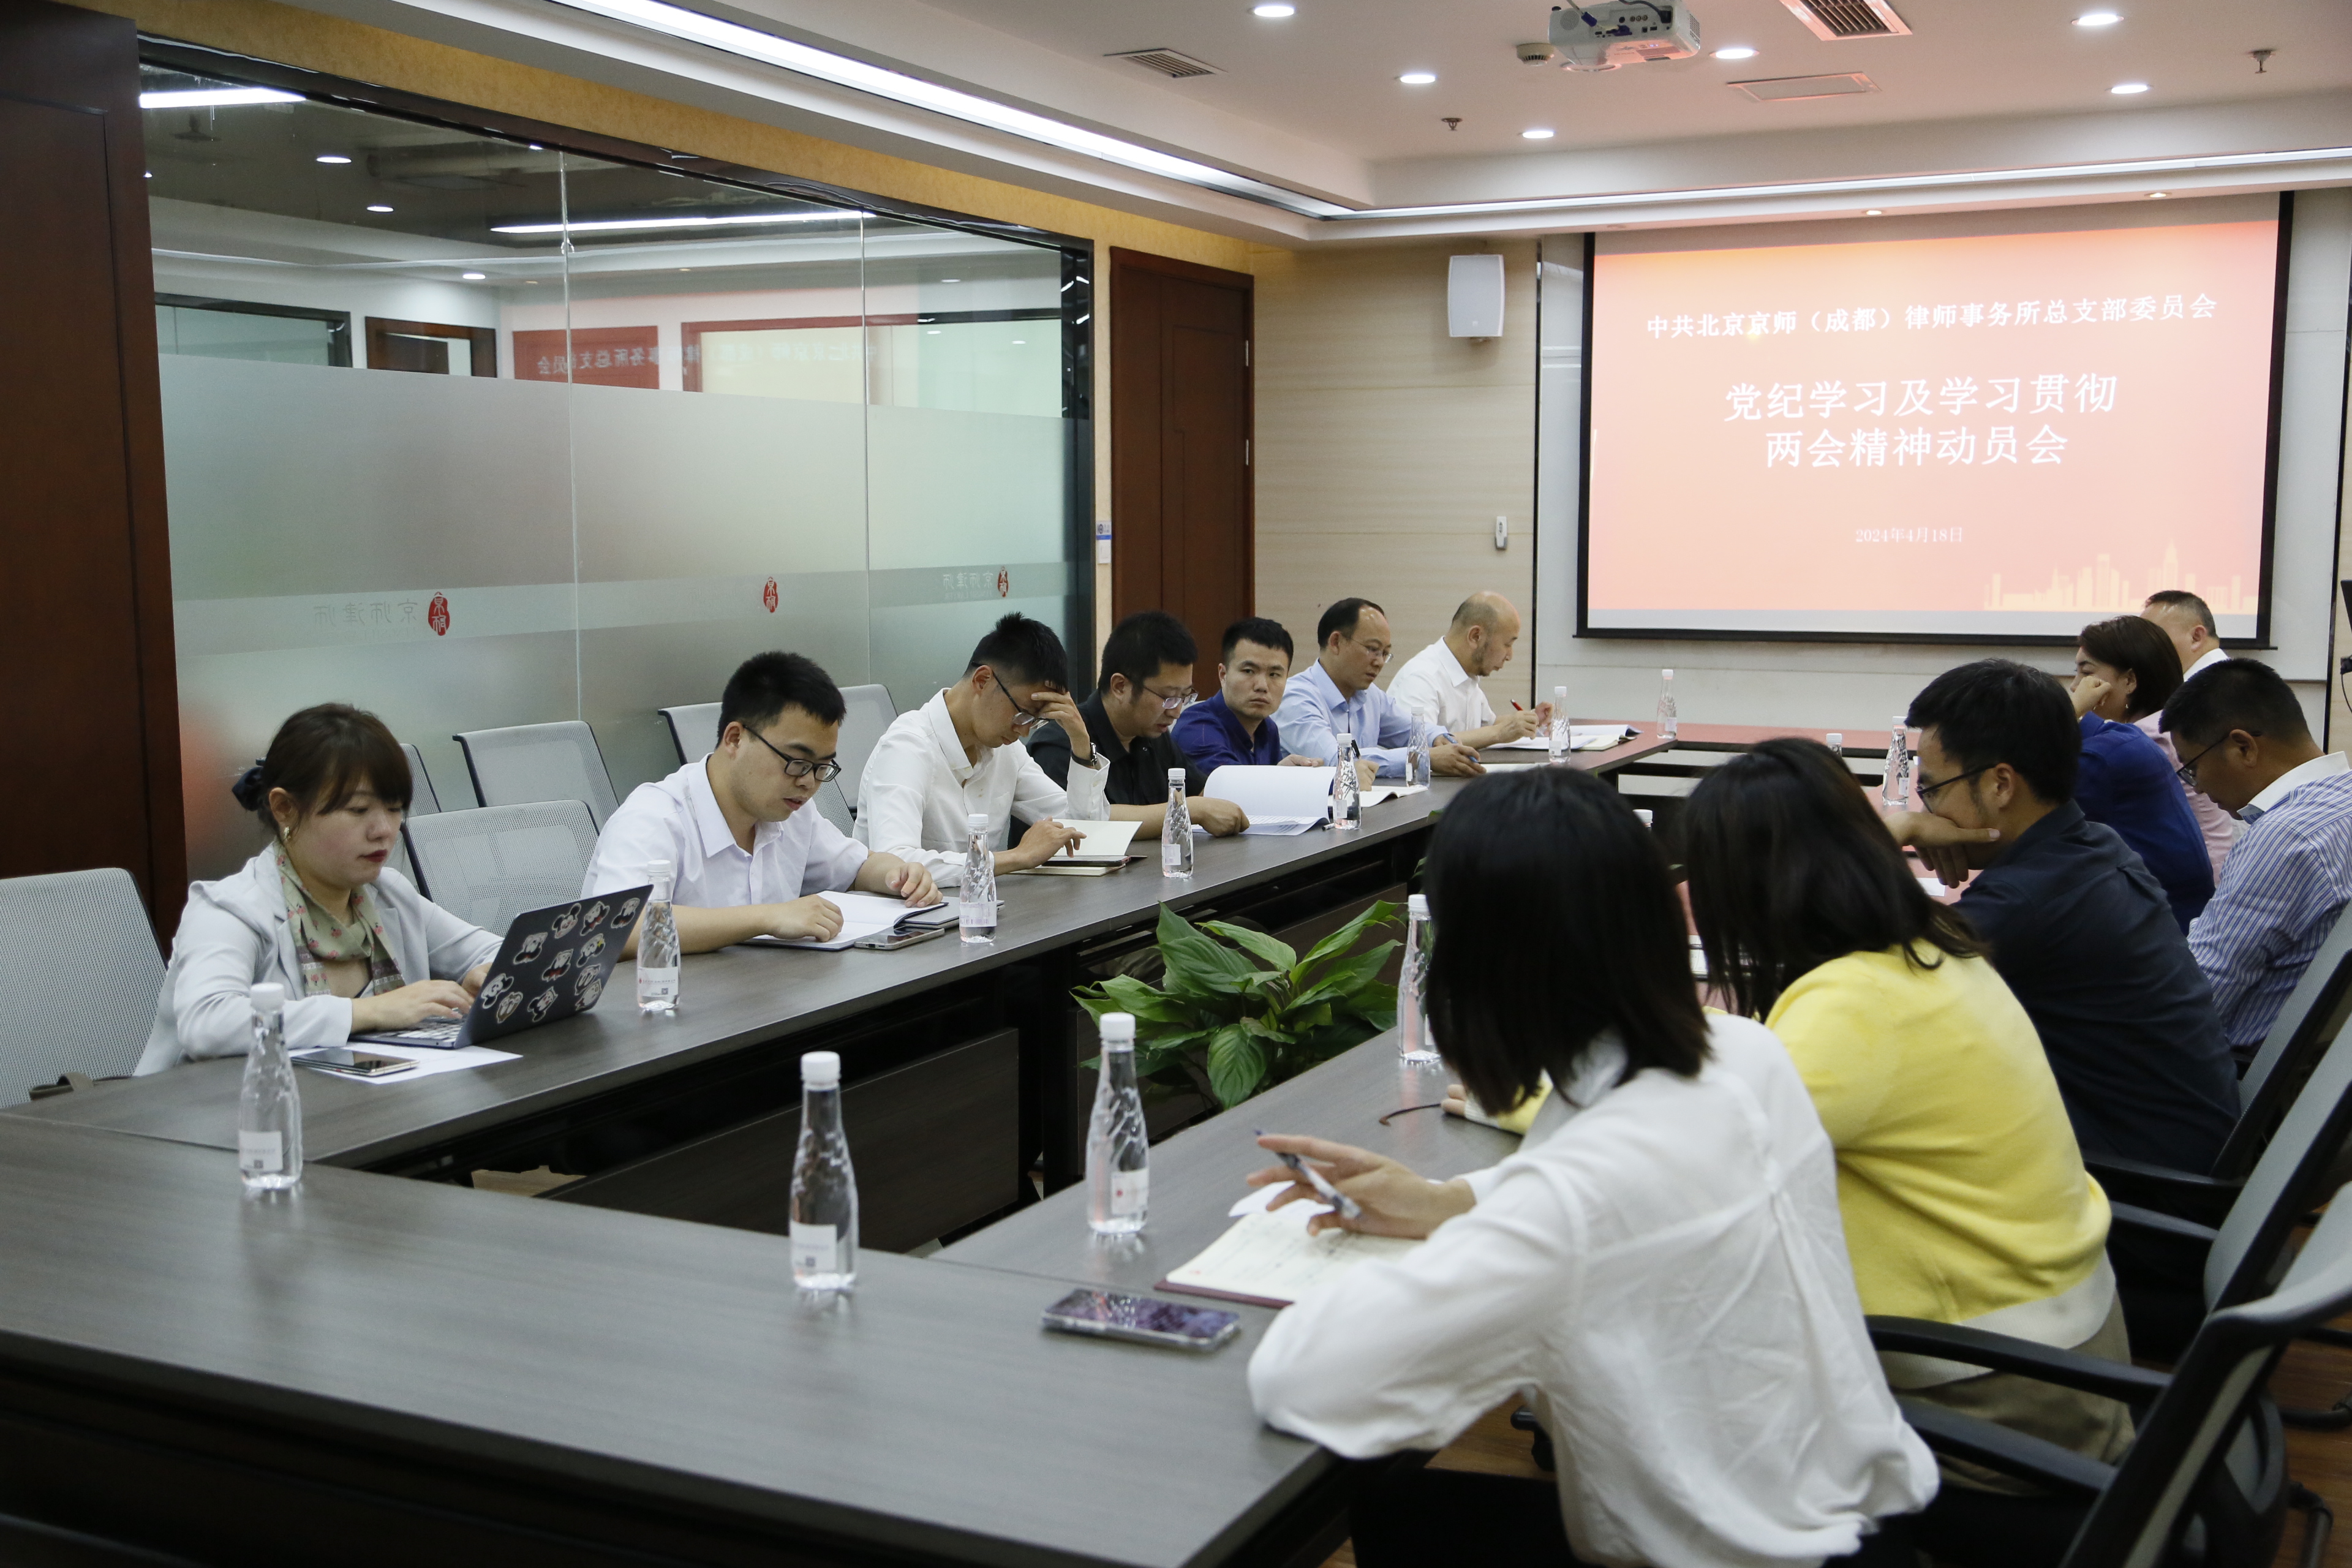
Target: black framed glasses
pixel 1173 702
pixel 2187 772
pixel 1928 790
pixel 1023 721
pixel 826 770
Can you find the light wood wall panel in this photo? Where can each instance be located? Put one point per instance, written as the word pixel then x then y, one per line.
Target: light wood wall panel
pixel 1385 448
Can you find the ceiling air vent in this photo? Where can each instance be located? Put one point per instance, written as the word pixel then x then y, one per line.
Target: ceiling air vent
pixel 1835 19
pixel 1167 62
pixel 1782 90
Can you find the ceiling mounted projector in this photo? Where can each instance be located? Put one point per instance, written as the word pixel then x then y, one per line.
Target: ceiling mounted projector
pixel 1601 38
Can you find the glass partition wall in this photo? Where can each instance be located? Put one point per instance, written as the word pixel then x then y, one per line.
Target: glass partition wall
pixel 472 431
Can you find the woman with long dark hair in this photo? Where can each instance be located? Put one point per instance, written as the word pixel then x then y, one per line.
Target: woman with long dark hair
pixel 2125 670
pixel 317 911
pixel 1962 1188
pixel 1660 1260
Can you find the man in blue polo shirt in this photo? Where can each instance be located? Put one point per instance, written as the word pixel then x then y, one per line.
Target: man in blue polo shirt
pixel 1237 724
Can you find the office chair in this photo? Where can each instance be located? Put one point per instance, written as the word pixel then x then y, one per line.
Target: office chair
pixel 89 975
pixel 526 763
pixel 493 863
pixel 693 729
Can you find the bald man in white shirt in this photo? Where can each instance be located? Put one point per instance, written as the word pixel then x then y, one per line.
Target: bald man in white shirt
pixel 1441 683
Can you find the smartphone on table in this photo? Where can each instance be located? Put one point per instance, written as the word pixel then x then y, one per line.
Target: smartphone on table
pixel 352 1064
pixel 1146 1320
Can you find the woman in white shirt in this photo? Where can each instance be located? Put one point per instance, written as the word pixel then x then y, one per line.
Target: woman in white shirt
pixel 353 942
pixel 1660 1266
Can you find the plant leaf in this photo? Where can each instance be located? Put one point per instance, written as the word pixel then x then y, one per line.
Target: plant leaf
pixel 1382 912
pixel 1125 993
pixel 1281 954
pixel 1349 977
pixel 1236 1065
pixel 1199 966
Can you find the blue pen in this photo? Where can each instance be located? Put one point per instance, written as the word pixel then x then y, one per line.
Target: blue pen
pixel 1331 1194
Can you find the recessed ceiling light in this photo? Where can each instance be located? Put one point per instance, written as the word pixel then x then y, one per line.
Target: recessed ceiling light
pixel 1873 212
pixel 333 158
pixel 2158 195
pixel 148 175
pixel 1019 341
pixel 378 207
pixel 2125 89
pixel 950 280
pixel 1536 134
pixel 1274 9
pixel 473 276
pixel 215 98
pixel 1418 78
pixel 930 331
pixel 2098 19
pixel 1737 52
pixel 534 147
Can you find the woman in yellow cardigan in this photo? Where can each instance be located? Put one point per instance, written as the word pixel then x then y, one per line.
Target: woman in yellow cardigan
pixel 1961 1186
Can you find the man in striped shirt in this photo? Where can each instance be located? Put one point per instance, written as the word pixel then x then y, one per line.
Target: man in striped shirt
pixel 2242 741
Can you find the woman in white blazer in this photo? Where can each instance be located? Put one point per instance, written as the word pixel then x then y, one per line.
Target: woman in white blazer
pixel 353 942
pixel 1661 1265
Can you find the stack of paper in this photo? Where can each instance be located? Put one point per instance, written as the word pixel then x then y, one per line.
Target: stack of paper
pixel 1102 849
pixel 868 914
pixel 1267 1260
pixel 1581 738
pixel 1278 800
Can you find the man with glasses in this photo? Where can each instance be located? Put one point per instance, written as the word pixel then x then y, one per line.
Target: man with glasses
pixel 2243 739
pixel 1336 692
pixel 1147 681
pixel 2080 928
pixel 752 855
pixel 955 757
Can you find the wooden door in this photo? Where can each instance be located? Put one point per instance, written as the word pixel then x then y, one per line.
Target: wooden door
pixel 90 706
pixel 1182 507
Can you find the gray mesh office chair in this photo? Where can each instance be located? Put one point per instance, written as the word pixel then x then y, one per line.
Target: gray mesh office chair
pixel 693 729
pixel 424 802
pixel 525 762
pixel 870 712
pixel 83 939
pixel 493 863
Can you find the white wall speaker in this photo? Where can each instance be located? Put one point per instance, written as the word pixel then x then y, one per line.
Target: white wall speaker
pixel 1474 295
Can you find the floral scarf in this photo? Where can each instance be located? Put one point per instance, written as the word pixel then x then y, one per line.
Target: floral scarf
pixel 320 939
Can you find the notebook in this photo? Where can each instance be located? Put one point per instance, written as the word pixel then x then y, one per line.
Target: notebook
pixel 1581 738
pixel 1278 800
pixel 1266 1258
pixel 553 963
pixel 870 914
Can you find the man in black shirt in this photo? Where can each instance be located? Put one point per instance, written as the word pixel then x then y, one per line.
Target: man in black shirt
pixel 2080 929
pixel 1147 679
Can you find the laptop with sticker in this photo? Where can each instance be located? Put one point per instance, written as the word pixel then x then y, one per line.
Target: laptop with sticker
pixel 554 963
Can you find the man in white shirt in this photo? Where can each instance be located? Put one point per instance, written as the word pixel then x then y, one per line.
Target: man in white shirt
pixel 2188 620
pixel 752 856
pixel 956 756
pixel 1336 692
pixel 1441 683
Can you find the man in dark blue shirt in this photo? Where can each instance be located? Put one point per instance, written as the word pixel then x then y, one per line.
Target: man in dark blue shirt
pixel 2080 930
pixel 1236 725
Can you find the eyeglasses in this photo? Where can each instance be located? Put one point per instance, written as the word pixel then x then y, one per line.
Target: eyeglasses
pixel 2187 772
pixel 1023 719
pixel 1928 790
pixel 798 767
pixel 1171 701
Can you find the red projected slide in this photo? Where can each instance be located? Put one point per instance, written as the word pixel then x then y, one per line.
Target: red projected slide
pixel 2005 434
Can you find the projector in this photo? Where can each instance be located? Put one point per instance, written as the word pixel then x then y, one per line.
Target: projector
pixel 1601 38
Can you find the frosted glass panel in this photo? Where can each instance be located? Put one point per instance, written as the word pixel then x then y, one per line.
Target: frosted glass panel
pixel 950 489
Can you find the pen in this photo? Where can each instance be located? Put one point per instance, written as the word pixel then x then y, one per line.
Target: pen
pixel 1331 1194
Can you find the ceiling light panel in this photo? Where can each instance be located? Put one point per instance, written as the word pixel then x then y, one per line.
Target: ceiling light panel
pixel 215 98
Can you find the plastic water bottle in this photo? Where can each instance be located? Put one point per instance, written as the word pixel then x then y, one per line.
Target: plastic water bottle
pixel 1347 791
pixel 1417 746
pixel 1559 736
pixel 1667 725
pixel 976 919
pixel 1837 744
pixel 657 946
pixel 825 1187
pixel 269 1106
pixel 1118 1152
pixel 1896 791
pixel 1176 830
pixel 1413 1041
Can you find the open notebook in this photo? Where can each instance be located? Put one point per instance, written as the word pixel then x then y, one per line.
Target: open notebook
pixel 867 914
pixel 1267 1260
pixel 1581 738
pixel 1104 848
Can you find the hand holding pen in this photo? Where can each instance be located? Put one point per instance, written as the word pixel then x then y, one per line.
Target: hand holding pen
pixel 1382 1196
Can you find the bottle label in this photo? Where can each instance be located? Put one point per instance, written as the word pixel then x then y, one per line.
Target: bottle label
pixel 261 1153
pixel 817 1248
pixel 1130 1191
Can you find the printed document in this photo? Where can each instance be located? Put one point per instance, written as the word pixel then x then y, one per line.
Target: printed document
pixel 1279 801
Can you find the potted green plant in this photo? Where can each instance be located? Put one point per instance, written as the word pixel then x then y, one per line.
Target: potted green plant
pixel 1239 1015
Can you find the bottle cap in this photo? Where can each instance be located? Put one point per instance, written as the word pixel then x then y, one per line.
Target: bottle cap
pixel 976 822
pixel 1175 775
pixel 1667 673
pixel 1836 739
pixel 267 998
pixel 1118 1030
pixel 1560 692
pixel 820 1069
pixel 1417 906
pixel 1900 721
pixel 657 869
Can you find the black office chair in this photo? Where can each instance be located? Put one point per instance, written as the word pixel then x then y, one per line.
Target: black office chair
pixel 2204 1481
pixel 2307 1025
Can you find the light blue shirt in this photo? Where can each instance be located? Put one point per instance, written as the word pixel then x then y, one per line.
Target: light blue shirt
pixel 1312 714
pixel 2288 875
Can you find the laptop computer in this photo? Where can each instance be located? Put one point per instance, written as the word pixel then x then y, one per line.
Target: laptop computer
pixel 553 963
